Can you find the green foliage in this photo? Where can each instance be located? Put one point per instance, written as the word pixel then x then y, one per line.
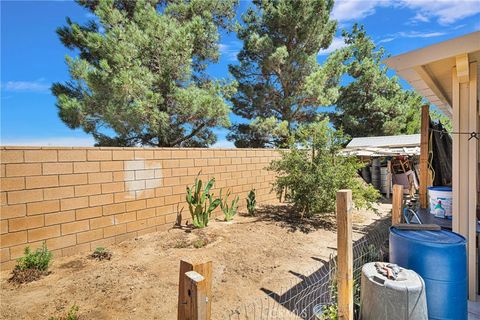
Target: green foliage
pixel 140 75
pixel 71 315
pixel 229 209
pixel 313 171
pixel 329 312
pixel 200 243
pixel 38 260
pixel 200 209
pixel 281 83
pixel 101 253
pixel 251 202
pixel 372 104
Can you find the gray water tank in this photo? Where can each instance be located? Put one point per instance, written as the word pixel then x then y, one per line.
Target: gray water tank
pixel 399 299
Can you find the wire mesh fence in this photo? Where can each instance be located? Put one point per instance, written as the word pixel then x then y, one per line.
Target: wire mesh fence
pixel 314 297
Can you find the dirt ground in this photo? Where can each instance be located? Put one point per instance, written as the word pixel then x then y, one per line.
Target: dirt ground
pixel 141 279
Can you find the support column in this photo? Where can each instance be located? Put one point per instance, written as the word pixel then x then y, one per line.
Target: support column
pixel 424 134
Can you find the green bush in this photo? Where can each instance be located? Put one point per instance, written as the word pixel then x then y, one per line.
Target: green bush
pixel 229 210
pixel 38 260
pixel 313 170
pixel 199 208
pixel 251 202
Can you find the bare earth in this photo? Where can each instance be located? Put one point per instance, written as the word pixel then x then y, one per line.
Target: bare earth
pixel 141 279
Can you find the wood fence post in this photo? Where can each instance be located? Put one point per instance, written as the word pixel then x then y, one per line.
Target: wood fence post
pixel 424 135
pixel 196 299
pixel 344 255
pixel 205 270
pixel 397 203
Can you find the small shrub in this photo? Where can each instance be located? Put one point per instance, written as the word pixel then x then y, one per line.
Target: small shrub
pixel 101 253
pixel 180 244
pixel 200 243
pixel 71 315
pixel 32 266
pixel 251 202
pixel 229 210
pixel 197 198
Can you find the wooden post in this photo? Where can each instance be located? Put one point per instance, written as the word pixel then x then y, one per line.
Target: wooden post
pixel 205 270
pixel 344 255
pixel 424 133
pixel 397 202
pixel 196 299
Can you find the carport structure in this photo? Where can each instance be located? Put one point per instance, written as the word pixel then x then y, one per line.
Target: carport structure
pixel 446 74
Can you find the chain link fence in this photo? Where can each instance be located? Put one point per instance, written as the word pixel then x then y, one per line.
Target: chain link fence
pixel 315 296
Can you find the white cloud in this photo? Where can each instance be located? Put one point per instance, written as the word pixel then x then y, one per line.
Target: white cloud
pixel 444 11
pixel 50 141
pixel 230 50
pixel 223 144
pixel 39 86
pixel 337 43
pixel 412 35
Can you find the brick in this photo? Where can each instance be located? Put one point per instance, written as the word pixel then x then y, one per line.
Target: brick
pixel 13 238
pixel 144 174
pixel 102 222
pixel 123 155
pixel 156 221
pixel 74 227
pixel 40 155
pixel 41 182
pixel 114 209
pixel 135 185
pixel 163 191
pixel 23 169
pixel 124 196
pixel 145 194
pixel 136 225
pixel 57 168
pixel 170 218
pixel 111 166
pixel 100 177
pixel 155 202
pixel 43 233
pixel 62 242
pixel 113 187
pixel 73 179
pixel 59 217
pixel 24 196
pixel 89 236
pixel 114 230
pixel 58 193
pixel 72 155
pixel 146 213
pixel 11 156
pixel 2 171
pixel 136 205
pixel 42 207
pixel 3 226
pixel 153 164
pixel 176 153
pixel 24 223
pixel 144 154
pixel 4 254
pixel 164 210
pixel 74 203
pixel 124 176
pixel 100 200
pixel 88 213
pixel 125 217
pixel 134 165
pixel 88 190
pixel 95 155
pixel 125 236
pixel 83 167
pixel 153 183
pixel 176 198
pixel 84 247
pixel 165 153
pixel 12 184
pixel 13 211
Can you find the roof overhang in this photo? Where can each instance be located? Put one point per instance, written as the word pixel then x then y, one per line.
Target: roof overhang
pixel 429 69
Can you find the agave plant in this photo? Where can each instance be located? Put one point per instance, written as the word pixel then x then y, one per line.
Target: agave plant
pixel 251 202
pixel 229 210
pixel 201 202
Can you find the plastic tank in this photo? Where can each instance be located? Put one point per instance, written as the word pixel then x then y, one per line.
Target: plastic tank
pixel 439 257
pixel 440 196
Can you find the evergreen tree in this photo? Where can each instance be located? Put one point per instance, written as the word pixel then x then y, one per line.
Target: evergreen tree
pixel 139 78
pixel 280 82
pixel 373 104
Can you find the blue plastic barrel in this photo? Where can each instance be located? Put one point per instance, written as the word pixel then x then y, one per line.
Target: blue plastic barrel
pixel 440 258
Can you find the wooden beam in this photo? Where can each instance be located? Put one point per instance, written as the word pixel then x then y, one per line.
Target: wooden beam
pixel 344 255
pixel 397 203
pixel 433 85
pixel 424 135
pixel 196 298
pixel 204 269
pixel 462 68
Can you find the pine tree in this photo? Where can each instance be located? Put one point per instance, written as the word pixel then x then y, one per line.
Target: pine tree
pixel 140 79
pixel 280 82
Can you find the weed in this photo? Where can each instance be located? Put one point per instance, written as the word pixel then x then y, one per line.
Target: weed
pixel 200 243
pixel 180 244
pixel 251 202
pixel 32 266
pixel 71 315
pixel 101 253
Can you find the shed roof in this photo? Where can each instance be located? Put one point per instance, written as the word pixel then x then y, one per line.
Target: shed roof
pixel 409 140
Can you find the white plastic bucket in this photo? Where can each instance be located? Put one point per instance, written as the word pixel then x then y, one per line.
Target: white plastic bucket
pixel 440 196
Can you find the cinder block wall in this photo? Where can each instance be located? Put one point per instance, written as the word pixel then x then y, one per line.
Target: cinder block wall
pixel 76 199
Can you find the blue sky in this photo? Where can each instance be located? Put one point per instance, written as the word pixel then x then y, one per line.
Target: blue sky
pixel 32 56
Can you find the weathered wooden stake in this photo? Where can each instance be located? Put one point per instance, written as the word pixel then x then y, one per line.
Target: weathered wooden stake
pixel 397 202
pixel 425 124
pixel 344 255
pixel 196 300
pixel 203 269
